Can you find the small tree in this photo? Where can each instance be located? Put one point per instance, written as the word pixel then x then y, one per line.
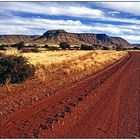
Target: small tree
pixel 19 45
pixel 64 45
pixel 106 48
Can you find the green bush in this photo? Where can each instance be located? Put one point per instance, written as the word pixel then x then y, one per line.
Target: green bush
pixel 15 69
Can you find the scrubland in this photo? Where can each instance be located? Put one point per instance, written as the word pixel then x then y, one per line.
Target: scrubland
pixel 54 70
pixel 65 63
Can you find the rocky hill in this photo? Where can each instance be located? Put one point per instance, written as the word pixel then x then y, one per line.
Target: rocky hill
pixel 54 37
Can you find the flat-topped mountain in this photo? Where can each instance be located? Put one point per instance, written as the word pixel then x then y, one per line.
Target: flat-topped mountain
pixel 57 36
pixel 54 37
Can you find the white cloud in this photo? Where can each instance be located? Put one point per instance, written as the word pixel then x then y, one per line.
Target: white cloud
pixel 113 13
pixel 52 9
pixel 128 7
pixel 17 24
pixel 61 9
pixel 131 38
pixel 28 26
pixel 123 20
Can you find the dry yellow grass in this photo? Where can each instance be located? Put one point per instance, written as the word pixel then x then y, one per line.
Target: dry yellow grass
pixel 59 63
pixel 76 64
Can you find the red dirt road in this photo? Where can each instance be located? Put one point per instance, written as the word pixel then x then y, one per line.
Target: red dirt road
pixel 105 105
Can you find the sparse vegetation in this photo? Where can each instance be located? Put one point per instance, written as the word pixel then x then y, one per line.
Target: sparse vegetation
pixel 86 47
pixel 15 69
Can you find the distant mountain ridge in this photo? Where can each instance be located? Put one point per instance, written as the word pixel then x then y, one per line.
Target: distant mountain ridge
pixel 11 39
pixel 54 37
pixel 137 45
pixel 57 36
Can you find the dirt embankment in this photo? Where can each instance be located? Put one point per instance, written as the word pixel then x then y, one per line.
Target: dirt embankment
pixel 105 105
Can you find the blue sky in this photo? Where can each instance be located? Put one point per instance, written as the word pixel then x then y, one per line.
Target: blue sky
pixel 113 18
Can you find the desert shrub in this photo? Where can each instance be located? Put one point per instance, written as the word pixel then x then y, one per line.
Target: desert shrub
pixel 85 47
pixel 46 46
pixel 106 48
pixel 14 45
pixel 19 45
pixel 64 45
pixel 15 69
